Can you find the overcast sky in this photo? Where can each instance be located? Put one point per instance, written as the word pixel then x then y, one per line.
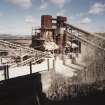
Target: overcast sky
pixel 19 16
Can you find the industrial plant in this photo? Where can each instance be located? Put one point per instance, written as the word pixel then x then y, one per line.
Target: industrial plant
pixel 56 64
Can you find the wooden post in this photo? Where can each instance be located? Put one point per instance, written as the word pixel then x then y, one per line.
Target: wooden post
pixel 48 64
pixel 30 68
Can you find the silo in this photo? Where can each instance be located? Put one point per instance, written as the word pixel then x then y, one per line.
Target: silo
pixel 46 21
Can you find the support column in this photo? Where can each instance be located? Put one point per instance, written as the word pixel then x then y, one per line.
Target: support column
pixel 21 58
pixel 48 64
pixel 5 76
pixel 0 60
pixel 7 67
pixel 30 68
pixel 54 64
pixel 6 72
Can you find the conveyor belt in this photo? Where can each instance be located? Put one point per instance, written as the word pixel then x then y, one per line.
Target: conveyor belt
pixel 32 59
pixel 84 32
pixel 83 40
pixel 35 54
pixel 17 46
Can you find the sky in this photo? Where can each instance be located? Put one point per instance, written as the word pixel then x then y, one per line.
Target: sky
pixel 19 16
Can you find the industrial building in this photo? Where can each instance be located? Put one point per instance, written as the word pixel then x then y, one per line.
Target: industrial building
pixel 56 48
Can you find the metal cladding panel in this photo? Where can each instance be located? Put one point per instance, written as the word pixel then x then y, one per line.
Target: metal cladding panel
pixel 61 18
pixel 46 21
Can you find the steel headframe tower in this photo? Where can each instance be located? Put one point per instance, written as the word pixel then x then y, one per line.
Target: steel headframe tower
pixel 61 37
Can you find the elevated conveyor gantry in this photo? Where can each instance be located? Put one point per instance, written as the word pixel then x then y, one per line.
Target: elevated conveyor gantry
pixel 35 54
pixel 82 36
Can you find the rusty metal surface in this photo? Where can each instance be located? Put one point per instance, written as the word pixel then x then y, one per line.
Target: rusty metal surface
pixel 46 21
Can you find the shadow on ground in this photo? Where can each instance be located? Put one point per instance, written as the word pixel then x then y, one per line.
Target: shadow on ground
pixel 27 90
